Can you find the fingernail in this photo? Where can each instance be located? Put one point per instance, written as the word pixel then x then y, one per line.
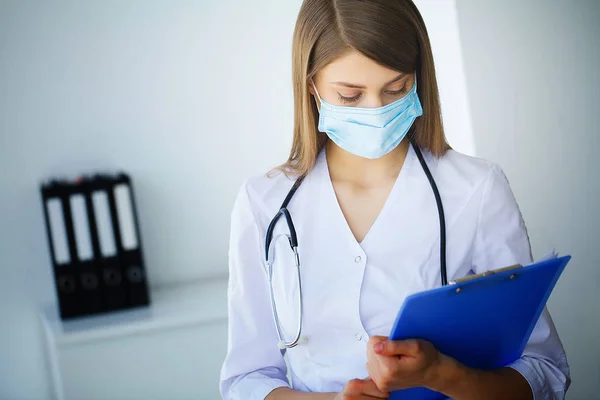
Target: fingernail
pixel 380 347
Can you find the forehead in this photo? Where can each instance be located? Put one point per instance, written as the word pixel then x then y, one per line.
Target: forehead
pixel 354 67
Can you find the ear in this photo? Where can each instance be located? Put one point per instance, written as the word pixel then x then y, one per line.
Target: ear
pixel 313 95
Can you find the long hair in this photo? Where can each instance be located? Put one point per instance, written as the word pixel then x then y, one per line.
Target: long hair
pixel 392 33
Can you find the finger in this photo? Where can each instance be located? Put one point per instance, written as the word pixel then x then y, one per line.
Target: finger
pixel 371 389
pixel 377 339
pixel 353 387
pixel 367 397
pixel 374 340
pixel 409 347
pixel 364 387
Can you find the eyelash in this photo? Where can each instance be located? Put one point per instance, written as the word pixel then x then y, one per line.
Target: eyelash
pixel 347 100
pixel 398 92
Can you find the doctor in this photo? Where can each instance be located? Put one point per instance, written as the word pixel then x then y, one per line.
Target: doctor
pixel 377 207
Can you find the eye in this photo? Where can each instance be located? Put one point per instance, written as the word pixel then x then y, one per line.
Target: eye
pixel 397 92
pixel 347 100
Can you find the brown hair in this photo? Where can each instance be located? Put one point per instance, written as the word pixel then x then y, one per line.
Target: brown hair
pixel 390 32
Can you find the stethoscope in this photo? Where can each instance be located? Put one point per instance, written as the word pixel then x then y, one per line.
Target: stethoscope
pixel 293 241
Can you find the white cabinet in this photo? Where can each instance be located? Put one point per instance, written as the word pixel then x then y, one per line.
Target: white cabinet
pixel 171 350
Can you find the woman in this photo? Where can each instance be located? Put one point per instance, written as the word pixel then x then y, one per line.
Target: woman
pixel 366 109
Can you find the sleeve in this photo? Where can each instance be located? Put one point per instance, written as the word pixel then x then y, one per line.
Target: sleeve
pixel 502 240
pixel 254 366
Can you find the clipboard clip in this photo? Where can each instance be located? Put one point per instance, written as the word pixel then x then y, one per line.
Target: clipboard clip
pixel 486 273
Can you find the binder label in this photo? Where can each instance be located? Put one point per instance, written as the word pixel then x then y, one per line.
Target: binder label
pixel 58 231
pixel 125 214
pixel 82 229
pixel 104 224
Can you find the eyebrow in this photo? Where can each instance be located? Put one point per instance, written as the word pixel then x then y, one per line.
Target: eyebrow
pixel 354 86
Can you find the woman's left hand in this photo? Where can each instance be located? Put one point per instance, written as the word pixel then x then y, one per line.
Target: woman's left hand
pixel 402 364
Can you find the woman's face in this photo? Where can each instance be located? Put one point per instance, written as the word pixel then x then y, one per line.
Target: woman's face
pixel 355 80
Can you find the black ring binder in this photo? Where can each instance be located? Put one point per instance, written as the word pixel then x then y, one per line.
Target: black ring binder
pixel 114 278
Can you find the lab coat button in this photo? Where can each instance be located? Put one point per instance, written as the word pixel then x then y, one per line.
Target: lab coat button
pixel 357 259
pixel 358 336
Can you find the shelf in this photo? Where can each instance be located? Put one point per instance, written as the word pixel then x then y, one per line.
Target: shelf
pixel 172 307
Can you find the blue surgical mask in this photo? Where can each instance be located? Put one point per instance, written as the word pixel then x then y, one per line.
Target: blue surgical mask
pixel 370 132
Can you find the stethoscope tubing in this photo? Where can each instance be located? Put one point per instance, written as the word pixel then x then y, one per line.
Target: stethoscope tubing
pixel 293 241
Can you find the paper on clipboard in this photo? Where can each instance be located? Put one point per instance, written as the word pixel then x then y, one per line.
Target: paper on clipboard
pixel 551 255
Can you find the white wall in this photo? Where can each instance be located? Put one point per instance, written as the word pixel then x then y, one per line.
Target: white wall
pixel 189 97
pixel 534 91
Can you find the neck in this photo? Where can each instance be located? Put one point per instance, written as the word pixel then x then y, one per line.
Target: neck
pixel 347 167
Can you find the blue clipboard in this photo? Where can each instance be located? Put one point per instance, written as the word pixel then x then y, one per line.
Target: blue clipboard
pixel 483 322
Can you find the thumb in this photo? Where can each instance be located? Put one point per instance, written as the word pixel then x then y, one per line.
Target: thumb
pixel 397 347
pixel 377 339
pixel 374 342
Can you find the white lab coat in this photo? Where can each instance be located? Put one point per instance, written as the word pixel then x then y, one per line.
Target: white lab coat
pixel 354 290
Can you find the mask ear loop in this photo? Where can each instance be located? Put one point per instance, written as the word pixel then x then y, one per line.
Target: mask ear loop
pixel 318 95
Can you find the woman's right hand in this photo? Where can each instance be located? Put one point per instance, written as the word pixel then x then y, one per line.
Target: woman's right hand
pixel 361 389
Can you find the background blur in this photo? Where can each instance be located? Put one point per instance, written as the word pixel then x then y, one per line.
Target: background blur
pixel 192 97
